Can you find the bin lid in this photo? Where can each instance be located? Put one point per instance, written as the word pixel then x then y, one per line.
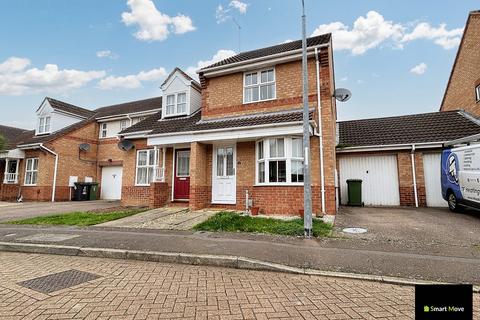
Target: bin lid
pixel 354 180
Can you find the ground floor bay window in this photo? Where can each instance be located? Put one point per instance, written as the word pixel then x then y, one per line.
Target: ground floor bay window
pixel 279 161
pixel 147 163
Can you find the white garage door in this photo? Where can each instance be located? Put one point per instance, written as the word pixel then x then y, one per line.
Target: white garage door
pixel 433 185
pixel 111 187
pixel 379 175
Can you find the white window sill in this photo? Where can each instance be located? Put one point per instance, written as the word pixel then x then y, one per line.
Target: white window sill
pixel 142 185
pixel 30 185
pixel 174 115
pixel 10 182
pixel 279 184
pixel 258 101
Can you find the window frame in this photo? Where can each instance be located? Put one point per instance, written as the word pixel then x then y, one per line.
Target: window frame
pixel 148 165
pixel 477 93
pixel 259 84
pixel 176 104
pixel 31 170
pixel 103 130
pixel 288 158
pixel 42 125
pixel 7 165
pixel 122 126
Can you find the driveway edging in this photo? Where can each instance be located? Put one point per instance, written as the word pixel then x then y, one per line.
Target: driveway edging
pixel 236 262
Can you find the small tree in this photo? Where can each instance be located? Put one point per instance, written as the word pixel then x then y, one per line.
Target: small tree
pixel 2 143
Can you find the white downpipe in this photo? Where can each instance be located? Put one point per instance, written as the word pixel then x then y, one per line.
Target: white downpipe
pixel 54 170
pixel 155 161
pixel 319 107
pixel 414 176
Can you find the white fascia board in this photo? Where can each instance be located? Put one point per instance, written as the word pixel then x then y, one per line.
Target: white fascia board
pixel 423 145
pixel 126 115
pixel 472 138
pixel 260 62
pixel 229 134
pixel 68 114
pixel 134 135
pixel 13 154
pixel 29 146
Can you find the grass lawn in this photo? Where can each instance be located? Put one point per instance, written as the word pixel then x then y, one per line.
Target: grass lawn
pixel 233 222
pixel 79 218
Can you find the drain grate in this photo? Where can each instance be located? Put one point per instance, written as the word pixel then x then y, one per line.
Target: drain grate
pixel 58 281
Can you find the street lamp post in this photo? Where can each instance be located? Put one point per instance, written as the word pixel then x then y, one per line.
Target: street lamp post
pixel 307 190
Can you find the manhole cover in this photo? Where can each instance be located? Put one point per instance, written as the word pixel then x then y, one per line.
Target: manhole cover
pixel 49 237
pixel 58 281
pixel 354 230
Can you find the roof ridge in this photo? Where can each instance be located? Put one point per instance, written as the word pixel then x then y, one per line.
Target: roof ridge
pixel 401 116
pixel 124 103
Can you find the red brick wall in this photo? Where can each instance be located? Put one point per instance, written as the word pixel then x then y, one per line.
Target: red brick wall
pixel 158 194
pixel 460 93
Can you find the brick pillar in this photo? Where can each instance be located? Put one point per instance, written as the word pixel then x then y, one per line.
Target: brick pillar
pixel 407 194
pixel 198 176
pixel 158 194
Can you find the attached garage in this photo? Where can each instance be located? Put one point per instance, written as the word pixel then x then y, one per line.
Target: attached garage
pixel 111 187
pixel 379 175
pixel 398 158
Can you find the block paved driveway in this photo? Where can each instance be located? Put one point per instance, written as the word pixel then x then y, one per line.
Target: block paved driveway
pixel 148 290
pixel 14 211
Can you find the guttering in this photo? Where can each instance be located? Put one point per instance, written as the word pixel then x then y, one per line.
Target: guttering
pixel 320 130
pixel 252 63
pixel 414 176
pixel 123 115
pixel 472 138
pixel 403 146
pixel 54 170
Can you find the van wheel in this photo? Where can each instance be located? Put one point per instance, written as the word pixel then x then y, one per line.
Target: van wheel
pixel 452 202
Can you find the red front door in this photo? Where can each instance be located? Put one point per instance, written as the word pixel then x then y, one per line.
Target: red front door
pixel 181 186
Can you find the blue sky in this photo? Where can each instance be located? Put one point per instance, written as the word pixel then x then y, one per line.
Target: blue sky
pixel 395 56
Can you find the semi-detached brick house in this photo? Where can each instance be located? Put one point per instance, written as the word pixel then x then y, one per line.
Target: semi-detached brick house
pixel 40 165
pixel 238 134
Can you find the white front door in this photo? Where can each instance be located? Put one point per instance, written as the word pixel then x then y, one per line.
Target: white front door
pixel 111 187
pixel 224 185
pixel 379 175
pixel 433 184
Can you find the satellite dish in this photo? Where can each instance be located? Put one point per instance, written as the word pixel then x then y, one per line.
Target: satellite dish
pixel 125 145
pixel 342 94
pixel 84 147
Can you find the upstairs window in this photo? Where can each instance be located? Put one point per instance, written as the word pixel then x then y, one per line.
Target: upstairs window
pixel 123 124
pixel 103 130
pixel 477 93
pixel 176 104
pixel 259 86
pixel 44 125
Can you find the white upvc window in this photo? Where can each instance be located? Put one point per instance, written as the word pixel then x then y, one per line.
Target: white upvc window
pixel 176 104
pixel 147 161
pixel 259 86
pixel 477 92
pixel 103 130
pixel 279 161
pixel 44 125
pixel 31 172
pixel 124 124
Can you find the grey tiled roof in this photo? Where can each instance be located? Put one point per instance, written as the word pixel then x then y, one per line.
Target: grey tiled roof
pixel 416 128
pixel 194 123
pixel 70 108
pixel 129 107
pixel 264 52
pixel 13 135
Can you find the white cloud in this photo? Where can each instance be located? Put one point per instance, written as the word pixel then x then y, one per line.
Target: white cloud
pixel 344 78
pixel 239 5
pixel 447 39
pixel 106 54
pixel 16 79
pixel 220 55
pixel 132 81
pixel 373 31
pixel 153 24
pixel 222 13
pixel 419 69
pixel 14 64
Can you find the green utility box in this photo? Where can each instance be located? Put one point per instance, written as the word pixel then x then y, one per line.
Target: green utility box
pixel 354 192
pixel 93 191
